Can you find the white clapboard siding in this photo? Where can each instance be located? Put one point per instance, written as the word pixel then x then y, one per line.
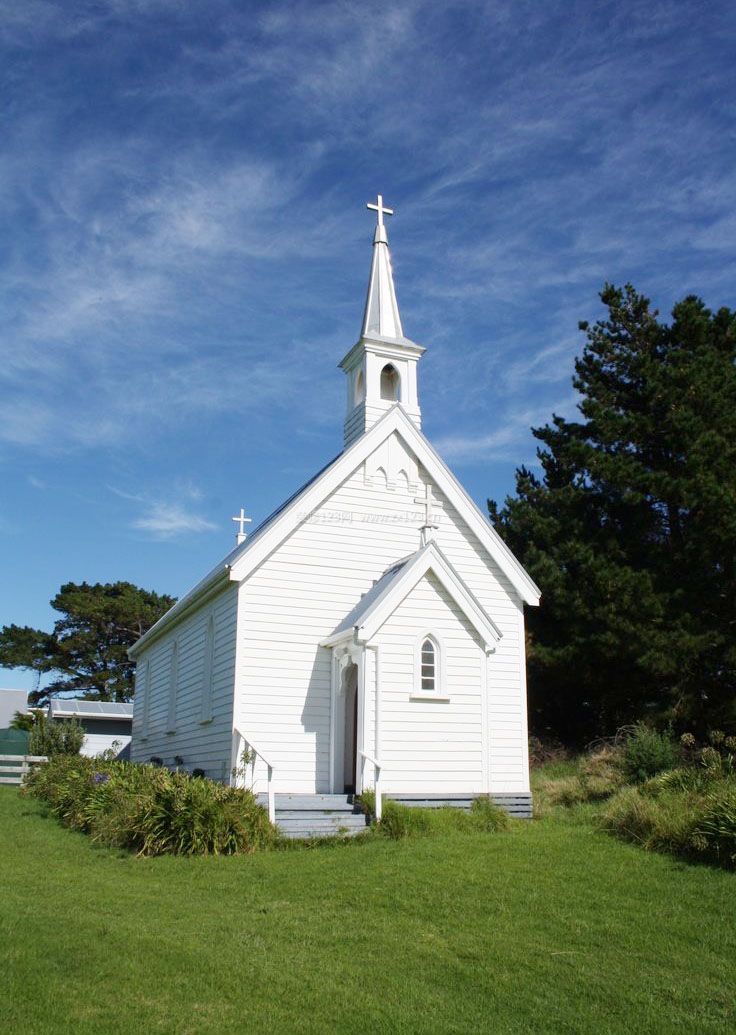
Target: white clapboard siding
pixel 418 751
pixel 201 745
pixel 304 589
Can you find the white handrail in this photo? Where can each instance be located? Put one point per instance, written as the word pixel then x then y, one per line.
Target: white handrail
pixel 365 757
pixel 251 747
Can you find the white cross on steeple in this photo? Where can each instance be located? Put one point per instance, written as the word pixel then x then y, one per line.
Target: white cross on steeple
pixel 380 208
pixel 430 524
pixel 242 521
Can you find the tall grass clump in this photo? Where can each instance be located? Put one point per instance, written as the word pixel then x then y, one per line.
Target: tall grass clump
pixel 595 777
pixel 689 812
pixel 150 810
pixel 407 821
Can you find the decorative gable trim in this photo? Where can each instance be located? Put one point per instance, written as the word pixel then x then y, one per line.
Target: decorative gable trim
pixel 239 564
pixel 259 547
pixel 429 559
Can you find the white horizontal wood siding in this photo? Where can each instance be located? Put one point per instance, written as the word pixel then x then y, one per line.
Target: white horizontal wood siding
pixel 304 589
pixel 97 743
pixel 202 745
pixel 432 745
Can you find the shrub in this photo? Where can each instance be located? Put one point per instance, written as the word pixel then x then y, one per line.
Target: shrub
pixel 149 809
pixel 48 737
pixel 647 752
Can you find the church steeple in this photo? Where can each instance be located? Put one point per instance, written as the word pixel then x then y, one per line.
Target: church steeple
pixel 381 367
pixel 381 308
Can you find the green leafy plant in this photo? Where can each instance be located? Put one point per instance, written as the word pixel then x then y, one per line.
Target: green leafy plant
pixel 50 737
pixel 25 720
pixel 647 752
pixel 149 809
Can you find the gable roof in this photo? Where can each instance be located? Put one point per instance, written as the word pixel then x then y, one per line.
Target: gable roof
pixel 255 549
pixel 396 583
pixel 249 555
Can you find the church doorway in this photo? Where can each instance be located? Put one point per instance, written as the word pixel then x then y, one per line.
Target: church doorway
pixel 350 738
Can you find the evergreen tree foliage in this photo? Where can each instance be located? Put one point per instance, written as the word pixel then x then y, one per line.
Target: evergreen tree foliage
pixel 87 650
pixel 631 529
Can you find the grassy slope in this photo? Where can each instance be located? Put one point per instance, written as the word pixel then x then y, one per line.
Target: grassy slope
pixel 551 927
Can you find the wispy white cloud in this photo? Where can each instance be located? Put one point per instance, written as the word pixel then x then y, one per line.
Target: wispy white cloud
pixel 168 520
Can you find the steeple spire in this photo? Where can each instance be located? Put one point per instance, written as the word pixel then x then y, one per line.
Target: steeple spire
pixel 381 315
pixel 381 367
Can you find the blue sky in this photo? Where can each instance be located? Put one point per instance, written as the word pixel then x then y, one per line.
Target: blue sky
pixel 185 247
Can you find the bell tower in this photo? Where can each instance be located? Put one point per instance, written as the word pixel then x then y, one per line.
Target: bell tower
pixel 381 368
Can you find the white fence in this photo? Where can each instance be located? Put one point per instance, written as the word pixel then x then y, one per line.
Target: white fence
pixel 15 773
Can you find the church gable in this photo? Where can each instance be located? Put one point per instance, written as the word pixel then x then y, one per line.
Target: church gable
pixel 393 425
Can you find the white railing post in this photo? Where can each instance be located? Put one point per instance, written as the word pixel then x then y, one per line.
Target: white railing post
pixel 379 808
pixel 270 787
pixel 365 757
pixel 271 795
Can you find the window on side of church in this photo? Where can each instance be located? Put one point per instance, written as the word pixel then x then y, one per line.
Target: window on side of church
pixel 173 686
pixel 144 689
pixel 390 383
pixel 207 676
pixel 428 682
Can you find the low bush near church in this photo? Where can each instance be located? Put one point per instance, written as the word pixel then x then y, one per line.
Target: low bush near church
pixel 150 810
pixel 647 752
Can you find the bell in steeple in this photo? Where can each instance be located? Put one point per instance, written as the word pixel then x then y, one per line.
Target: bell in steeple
pixel 381 367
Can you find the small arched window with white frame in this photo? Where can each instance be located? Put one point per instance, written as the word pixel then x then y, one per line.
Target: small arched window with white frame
pixel 429 665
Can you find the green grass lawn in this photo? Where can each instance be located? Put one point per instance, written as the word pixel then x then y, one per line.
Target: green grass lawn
pixel 551 927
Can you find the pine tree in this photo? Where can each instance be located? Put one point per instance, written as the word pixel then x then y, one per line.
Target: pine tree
pixel 631 529
pixel 88 648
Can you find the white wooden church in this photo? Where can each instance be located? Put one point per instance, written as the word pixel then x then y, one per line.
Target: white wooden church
pixel 367 635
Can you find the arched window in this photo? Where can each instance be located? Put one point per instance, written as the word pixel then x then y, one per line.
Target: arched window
pixel 390 383
pixel 429 665
pixel 359 393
